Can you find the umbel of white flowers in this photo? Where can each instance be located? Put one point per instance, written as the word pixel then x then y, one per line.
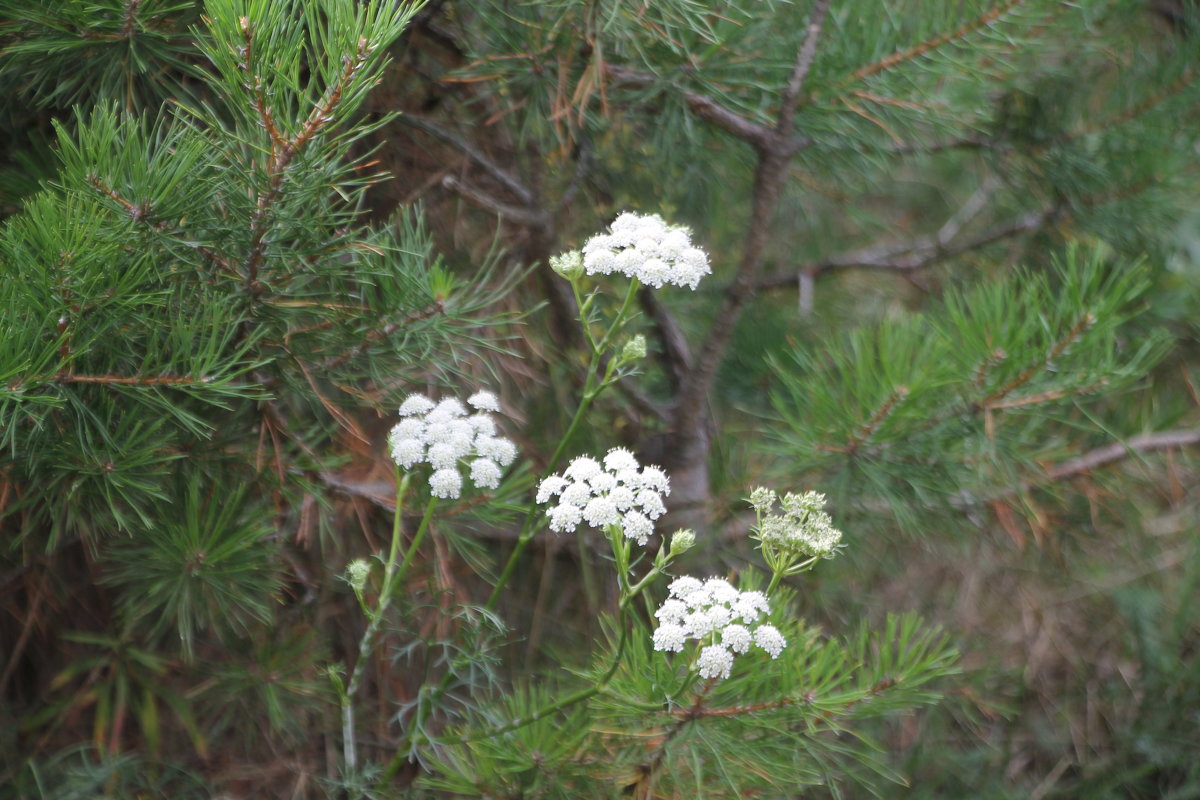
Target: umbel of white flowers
pixel 617 492
pixel 804 528
pixel 713 611
pixel 444 435
pixel 642 247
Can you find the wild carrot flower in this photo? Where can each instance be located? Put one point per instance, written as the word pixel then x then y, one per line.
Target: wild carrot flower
pixel 445 435
pixel 716 614
pixel 646 248
pixel 616 492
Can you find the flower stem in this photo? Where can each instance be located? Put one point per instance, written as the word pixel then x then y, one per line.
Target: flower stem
pixel 375 617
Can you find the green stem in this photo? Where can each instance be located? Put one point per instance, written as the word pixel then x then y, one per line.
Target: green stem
pixel 349 748
pixel 593 386
pixel 531 515
pixel 619 320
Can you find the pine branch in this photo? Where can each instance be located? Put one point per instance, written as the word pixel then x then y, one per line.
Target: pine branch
pixel 1111 453
pixel 318 119
pixel 642 787
pixel 929 45
pixel 757 136
pixel 379 334
pixel 804 60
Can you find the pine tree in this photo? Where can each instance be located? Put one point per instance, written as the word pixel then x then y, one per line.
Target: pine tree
pixel 217 295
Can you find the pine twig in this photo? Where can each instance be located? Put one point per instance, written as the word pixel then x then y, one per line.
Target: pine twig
pixel 533 218
pixel 489 166
pixel 929 45
pixel 915 255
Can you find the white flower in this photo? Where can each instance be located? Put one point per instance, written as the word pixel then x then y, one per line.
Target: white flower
pixel 485 473
pixel 600 511
pixel 499 449
pixel 445 483
pixel 724 620
pixel 646 248
pixel 736 638
pixel 407 452
pixel 550 487
pixel 636 526
pixel 416 404
pixel 770 639
pixel 614 491
pixel 564 519
pixel 484 401
pixel 444 436
pixel 582 468
pixel 619 458
pixel 685 585
pixel 714 662
pixel 762 499
pixel 671 611
pixel 669 637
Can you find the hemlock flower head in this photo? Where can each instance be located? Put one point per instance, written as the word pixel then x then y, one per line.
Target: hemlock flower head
pixel 616 492
pixel 646 248
pixel 804 528
pixel 716 614
pixel 634 349
pixel 445 435
pixel 569 264
pixel 357 572
pixel 682 541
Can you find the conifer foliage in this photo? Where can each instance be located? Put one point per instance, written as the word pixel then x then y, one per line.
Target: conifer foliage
pixel 247 521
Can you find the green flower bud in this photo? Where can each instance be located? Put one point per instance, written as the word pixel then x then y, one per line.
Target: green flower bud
pixel 682 541
pixel 569 265
pixel 634 349
pixel 357 572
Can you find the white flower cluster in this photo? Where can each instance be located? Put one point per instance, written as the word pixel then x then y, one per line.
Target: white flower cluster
pixel 443 434
pixel 617 492
pixel 646 248
pixel 804 527
pixel 713 611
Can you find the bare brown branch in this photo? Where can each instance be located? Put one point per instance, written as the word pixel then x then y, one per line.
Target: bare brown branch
pixel 914 255
pixel 804 60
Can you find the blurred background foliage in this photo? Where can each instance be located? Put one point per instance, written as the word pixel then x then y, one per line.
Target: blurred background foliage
pixel 972 323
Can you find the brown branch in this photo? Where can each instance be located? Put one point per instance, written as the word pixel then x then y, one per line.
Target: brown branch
pixel 929 45
pixel 130 26
pixel 122 380
pixel 706 108
pixel 804 60
pixel 470 151
pixel 676 353
pixel 533 218
pixel 921 252
pixel 1111 453
pixel 136 211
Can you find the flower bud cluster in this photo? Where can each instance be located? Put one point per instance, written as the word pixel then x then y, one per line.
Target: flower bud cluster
pixel 713 611
pixel 444 434
pixel 804 528
pixel 617 492
pixel 646 248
